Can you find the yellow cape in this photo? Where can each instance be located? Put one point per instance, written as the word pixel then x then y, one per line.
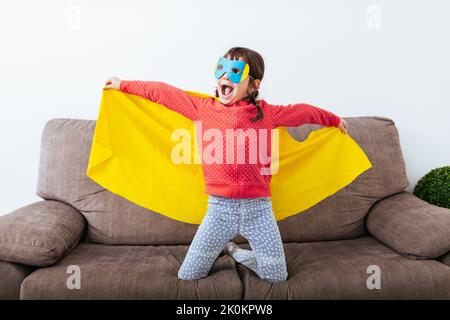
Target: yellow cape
pixel 131 157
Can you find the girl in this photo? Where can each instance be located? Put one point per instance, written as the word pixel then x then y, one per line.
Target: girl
pixel 238 193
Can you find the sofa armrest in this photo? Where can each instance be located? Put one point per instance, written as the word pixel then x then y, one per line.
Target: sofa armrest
pixel 40 233
pixel 11 277
pixel 411 226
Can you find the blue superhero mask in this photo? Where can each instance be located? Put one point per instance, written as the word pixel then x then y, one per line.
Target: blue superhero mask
pixel 237 70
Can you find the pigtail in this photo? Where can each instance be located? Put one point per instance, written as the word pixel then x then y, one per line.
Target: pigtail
pixel 252 97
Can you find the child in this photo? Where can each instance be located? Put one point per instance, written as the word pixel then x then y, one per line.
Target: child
pixel 239 193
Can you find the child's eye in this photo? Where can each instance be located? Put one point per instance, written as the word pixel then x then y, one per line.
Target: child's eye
pixel 235 70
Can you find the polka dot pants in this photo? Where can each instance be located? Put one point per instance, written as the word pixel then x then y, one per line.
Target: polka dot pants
pixel 253 218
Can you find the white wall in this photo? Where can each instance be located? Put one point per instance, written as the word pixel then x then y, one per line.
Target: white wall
pixel 55 56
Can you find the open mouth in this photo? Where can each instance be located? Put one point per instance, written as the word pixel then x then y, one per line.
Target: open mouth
pixel 226 90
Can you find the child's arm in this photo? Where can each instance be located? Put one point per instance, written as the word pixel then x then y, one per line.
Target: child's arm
pixel 165 94
pixel 294 115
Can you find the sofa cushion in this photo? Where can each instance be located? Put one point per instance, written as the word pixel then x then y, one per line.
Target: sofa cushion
pixel 341 269
pixel 65 150
pixel 130 272
pixel 11 277
pixel 40 233
pixel 411 226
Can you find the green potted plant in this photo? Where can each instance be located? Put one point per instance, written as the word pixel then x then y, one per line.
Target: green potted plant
pixel 434 187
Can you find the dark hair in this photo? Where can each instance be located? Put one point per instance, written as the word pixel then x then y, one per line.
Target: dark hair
pixel 256 64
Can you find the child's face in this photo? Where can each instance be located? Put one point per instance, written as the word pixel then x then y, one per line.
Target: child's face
pixel 238 90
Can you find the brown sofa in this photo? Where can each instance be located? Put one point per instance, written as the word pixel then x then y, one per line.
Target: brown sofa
pixel 370 233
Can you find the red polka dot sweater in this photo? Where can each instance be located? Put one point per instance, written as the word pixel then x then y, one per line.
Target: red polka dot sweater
pixel 232 165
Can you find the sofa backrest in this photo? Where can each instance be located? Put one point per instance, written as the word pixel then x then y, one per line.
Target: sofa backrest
pixel 65 149
pixel 342 215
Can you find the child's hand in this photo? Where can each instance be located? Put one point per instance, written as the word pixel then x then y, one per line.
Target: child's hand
pixel 343 125
pixel 112 83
